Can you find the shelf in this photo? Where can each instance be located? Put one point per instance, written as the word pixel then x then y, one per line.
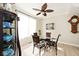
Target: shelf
pixel 7 21
pixel 8 27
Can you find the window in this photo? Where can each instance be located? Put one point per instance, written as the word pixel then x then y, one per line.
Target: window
pixel 26 25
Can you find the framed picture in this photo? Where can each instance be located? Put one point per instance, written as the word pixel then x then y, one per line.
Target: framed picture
pixel 50 26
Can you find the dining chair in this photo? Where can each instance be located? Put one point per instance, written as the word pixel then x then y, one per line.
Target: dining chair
pixel 37 43
pixel 54 43
pixel 48 35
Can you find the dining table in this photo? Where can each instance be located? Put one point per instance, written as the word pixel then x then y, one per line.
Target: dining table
pixel 47 41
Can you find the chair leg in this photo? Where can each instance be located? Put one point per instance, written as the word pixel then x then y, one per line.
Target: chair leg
pixel 39 52
pixel 44 49
pixel 33 49
pixel 56 50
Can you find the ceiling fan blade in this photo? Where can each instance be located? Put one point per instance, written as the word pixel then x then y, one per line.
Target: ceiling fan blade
pixel 38 13
pixel 45 14
pixel 36 9
pixel 44 6
pixel 49 10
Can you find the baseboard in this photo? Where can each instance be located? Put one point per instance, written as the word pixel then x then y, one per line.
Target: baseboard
pixel 69 44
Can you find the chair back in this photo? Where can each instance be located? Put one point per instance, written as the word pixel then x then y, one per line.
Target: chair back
pixel 35 38
pixel 35 34
pixel 48 35
pixel 58 38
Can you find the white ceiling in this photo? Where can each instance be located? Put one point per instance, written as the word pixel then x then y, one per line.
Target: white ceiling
pixel 59 8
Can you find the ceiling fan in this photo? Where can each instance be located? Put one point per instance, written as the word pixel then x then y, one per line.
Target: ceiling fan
pixel 43 10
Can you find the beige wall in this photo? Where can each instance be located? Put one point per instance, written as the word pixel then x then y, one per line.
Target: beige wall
pixel 61 27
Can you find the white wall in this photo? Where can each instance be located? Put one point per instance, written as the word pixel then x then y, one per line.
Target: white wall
pixel 61 27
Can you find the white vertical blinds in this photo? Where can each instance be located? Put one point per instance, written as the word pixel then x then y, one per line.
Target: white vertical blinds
pixel 26 25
